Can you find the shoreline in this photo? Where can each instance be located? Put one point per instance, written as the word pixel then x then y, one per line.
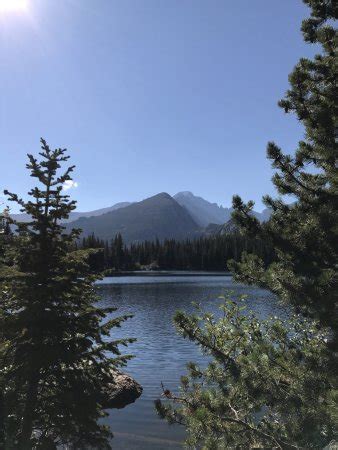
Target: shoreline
pixel 168 273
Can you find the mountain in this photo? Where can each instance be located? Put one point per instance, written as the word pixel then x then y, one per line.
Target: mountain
pixel 205 213
pixel 75 214
pixel 202 211
pixel 159 217
pixel 264 215
pixel 214 229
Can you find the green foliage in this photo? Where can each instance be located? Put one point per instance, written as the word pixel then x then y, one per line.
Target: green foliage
pixel 55 350
pixel 304 233
pixel 205 253
pixel 270 384
pixel 266 384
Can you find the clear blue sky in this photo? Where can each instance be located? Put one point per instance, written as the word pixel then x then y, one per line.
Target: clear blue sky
pixel 149 95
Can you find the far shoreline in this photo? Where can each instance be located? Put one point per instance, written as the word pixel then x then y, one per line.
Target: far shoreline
pixel 168 273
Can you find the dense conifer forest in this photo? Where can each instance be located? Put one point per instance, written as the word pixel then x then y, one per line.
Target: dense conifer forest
pixel 205 253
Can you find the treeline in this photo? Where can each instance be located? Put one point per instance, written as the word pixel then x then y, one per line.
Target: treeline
pixel 204 253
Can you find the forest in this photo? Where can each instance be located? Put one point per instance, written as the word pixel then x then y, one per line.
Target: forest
pixel 206 253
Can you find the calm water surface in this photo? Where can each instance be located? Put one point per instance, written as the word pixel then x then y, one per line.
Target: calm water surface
pixel 160 354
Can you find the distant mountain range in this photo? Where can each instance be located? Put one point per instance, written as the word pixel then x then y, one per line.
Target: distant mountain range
pixel 76 214
pixel 202 211
pixel 214 229
pixel 159 217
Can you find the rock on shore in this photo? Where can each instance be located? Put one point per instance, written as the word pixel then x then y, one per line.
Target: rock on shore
pixel 123 391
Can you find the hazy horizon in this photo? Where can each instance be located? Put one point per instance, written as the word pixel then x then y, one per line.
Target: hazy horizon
pixel 15 211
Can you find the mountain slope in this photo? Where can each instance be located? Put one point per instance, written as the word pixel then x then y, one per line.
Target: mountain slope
pixel 77 214
pixel 214 229
pixel 159 217
pixel 202 211
pixel 205 213
pixel 264 215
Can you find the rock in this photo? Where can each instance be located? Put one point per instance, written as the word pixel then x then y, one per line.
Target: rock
pixel 123 391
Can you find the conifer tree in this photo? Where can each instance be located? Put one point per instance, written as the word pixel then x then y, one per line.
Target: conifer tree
pixel 271 384
pixel 118 252
pixel 57 356
pixel 304 233
pixel 266 384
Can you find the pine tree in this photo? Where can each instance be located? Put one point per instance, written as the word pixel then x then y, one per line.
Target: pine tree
pixel 266 384
pixel 208 253
pixel 270 384
pixel 119 251
pixel 58 357
pixel 304 233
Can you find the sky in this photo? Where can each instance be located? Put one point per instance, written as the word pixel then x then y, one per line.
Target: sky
pixel 149 96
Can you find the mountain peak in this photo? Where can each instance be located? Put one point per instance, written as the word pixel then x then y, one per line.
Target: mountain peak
pixel 184 194
pixel 202 211
pixel 162 195
pixel 159 216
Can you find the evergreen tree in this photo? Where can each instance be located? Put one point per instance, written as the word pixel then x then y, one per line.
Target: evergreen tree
pixel 118 252
pixel 207 253
pixel 57 358
pixel 270 384
pixel 5 237
pixel 304 233
pixel 266 385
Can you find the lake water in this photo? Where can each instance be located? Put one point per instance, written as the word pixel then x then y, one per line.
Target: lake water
pixel 160 353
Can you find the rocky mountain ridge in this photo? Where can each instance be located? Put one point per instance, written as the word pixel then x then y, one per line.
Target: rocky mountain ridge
pixel 158 217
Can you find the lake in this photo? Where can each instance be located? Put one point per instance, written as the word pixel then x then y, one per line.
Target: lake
pixel 160 353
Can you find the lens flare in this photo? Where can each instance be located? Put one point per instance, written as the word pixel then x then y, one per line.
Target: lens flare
pixel 13 5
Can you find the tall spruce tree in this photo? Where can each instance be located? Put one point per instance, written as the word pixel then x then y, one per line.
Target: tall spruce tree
pixel 270 384
pixel 57 357
pixel 304 233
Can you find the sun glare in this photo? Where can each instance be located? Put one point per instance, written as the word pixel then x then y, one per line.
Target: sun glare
pixel 13 5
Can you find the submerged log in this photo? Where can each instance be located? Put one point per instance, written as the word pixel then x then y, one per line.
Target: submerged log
pixel 121 392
